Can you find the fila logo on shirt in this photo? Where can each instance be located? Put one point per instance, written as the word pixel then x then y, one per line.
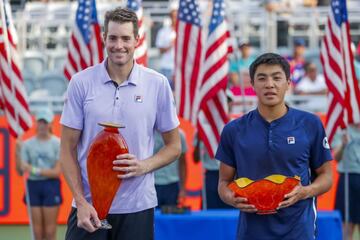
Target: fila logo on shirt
pixel 291 140
pixel 138 98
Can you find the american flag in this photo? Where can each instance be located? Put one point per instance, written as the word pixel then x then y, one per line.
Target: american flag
pixel 141 49
pixel 13 96
pixel 85 45
pixel 338 64
pixel 188 59
pixel 213 114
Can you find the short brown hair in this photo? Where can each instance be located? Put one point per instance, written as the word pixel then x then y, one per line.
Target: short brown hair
pixel 121 15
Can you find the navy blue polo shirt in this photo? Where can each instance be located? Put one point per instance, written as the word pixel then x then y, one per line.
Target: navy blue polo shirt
pixel 294 144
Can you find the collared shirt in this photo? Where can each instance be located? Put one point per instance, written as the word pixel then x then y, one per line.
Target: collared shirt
pixel 42 154
pixel 143 103
pixel 170 173
pixel 350 161
pixel 164 39
pixel 294 144
pixel 307 85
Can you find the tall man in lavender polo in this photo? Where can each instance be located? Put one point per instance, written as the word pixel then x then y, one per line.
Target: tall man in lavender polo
pixel 120 91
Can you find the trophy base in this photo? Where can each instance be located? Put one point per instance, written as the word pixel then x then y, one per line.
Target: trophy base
pixel 105 224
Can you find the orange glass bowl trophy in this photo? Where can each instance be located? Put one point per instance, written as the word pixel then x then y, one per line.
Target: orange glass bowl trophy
pixel 265 194
pixel 103 180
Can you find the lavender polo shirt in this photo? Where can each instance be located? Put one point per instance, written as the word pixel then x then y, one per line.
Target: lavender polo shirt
pixel 143 103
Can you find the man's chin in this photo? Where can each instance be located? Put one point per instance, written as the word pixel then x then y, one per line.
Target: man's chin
pixel 119 62
pixel 270 103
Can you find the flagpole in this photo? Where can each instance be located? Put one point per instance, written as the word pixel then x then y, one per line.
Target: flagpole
pixel 346 203
pixel 236 55
pixel 346 193
pixel 203 189
pixel 7 49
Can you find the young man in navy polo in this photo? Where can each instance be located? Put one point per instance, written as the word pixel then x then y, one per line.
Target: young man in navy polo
pixel 275 139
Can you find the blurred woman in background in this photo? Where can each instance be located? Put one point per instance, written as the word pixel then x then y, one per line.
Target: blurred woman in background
pixel 39 157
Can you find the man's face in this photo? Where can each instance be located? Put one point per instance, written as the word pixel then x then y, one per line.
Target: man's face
pixel 270 85
pixel 312 72
pixel 120 43
pixel 245 51
pixel 299 50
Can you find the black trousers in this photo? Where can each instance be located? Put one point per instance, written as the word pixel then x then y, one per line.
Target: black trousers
pixel 131 226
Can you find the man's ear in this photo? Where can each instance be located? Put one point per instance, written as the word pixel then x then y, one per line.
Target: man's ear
pixel 137 38
pixel 104 37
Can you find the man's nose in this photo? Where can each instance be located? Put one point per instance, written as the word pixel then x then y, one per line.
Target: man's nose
pixel 119 44
pixel 269 83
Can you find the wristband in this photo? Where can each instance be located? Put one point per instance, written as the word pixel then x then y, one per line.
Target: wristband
pixel 35 171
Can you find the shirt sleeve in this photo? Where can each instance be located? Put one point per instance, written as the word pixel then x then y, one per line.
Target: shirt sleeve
pixel 233 66
pixel 57 148
pixel 160 43
pixel 337 139
pixel 320 149
pixel 301 86
pixel 73 114
pixel 225 151
pixel 166 116
pixel 25 157
pixel 184 147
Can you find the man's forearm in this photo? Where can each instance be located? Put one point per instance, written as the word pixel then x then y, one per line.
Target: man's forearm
pixel 322 182
pixel 222 189
pixel 72 175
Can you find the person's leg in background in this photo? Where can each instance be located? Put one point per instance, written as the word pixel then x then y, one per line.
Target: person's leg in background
pixel 37 222
pixel 50 206
pixel 167 194
pixel 34 193
pixel 50 215
pixel 354 198
pixel 212 195
pixel 354 208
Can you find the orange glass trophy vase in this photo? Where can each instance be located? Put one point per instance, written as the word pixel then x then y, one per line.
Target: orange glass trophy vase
pixel 103 180
pixel 265 194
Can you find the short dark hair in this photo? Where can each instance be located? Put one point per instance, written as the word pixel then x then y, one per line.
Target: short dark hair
pixel 269 59
pixel 121 15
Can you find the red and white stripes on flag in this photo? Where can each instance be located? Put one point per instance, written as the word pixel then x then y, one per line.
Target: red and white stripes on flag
pixel 338 65
pixel 12 90
pixel 213 113
pixel 85 45
pixel 140 54
pixel 188 59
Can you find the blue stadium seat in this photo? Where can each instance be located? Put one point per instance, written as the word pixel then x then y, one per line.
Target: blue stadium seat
pixel 34 63
pixel 55 83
